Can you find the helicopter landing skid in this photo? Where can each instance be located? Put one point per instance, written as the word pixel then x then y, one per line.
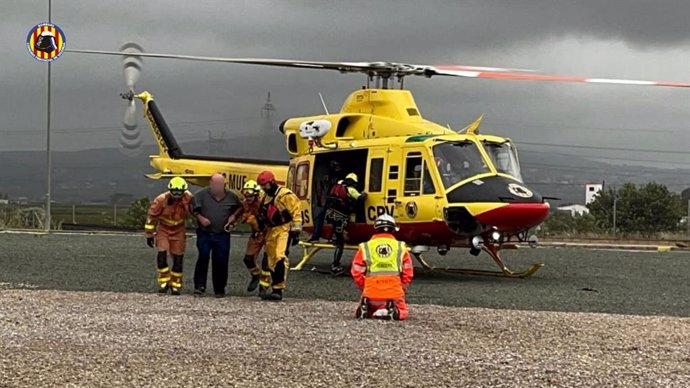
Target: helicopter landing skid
pixel 493 251
pixel 310 249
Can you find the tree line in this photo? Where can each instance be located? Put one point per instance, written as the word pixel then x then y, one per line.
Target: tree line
pixel 646 210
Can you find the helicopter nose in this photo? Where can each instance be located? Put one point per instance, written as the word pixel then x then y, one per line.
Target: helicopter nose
pixel 514 217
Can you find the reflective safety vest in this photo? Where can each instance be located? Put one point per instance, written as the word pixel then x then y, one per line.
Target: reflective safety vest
pixel 384 259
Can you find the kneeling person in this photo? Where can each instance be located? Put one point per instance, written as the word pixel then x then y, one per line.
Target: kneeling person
pixel 382 269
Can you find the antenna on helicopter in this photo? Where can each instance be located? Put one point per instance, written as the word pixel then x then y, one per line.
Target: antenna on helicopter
pixel 323 103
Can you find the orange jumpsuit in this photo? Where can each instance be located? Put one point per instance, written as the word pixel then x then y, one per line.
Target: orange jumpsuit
pixel 170 216
pixel 166 221
pixel 257 239
pixel 382 269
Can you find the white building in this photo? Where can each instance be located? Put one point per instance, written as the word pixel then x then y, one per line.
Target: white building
pixel 591 191
pixel 575 209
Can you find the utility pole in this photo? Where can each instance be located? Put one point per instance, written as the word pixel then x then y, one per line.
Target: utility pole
pixel 615 202
pixel 49 156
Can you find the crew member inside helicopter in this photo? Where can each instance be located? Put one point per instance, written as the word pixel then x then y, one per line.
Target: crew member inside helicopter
pixel 343 199
pixel 335 174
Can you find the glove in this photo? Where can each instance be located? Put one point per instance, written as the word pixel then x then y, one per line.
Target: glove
pixel 150 242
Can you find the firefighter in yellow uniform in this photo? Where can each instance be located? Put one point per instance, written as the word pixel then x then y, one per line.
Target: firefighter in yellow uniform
pixel 280 212
pixel 165 230
pixel 252 200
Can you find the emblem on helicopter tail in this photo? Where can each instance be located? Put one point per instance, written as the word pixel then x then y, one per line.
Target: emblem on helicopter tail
pixel 411 209
pixel 46 42
pixel 520 191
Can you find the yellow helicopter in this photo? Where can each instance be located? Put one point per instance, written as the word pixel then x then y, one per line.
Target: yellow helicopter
pixel 445 188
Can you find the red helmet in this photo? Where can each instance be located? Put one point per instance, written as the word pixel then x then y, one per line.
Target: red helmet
pixel 265 177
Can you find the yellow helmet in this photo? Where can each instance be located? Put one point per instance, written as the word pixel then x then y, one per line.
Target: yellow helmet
pixel 177 186
pixel 352 176
pixel 251 188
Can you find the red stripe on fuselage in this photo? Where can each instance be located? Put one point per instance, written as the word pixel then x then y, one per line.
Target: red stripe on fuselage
pixel 515 217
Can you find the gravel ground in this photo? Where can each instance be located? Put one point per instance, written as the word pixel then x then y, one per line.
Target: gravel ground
pixel 62 338
pixel 578 280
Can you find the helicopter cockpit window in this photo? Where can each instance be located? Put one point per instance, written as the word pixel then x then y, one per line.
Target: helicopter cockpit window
pixel 504 157
pixel 417 178
pixel 457 161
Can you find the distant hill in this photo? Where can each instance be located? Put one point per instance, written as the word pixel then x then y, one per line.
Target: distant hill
pixel 97 174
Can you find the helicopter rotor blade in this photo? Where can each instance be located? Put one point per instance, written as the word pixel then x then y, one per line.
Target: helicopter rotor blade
pixel 341 66
pixel 389 69
pixel 459 71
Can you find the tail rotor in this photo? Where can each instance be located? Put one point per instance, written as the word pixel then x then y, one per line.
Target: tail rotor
pixel 130 138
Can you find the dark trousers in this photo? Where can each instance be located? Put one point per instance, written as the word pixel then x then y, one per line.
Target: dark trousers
pixel 318 222
pixel 214 247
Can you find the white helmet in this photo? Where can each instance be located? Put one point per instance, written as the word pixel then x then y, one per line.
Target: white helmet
pixel 386 223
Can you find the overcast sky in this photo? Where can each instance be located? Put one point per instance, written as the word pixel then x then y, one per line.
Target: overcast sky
pixel 612 38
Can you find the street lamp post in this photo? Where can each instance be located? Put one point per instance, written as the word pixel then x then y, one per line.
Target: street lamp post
pixel 49 156
pixel 615 203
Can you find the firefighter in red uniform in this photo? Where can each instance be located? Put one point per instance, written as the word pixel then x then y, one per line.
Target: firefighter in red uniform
pixel 382 269
pixel 252 200
pixel 280 212
pixel 165 230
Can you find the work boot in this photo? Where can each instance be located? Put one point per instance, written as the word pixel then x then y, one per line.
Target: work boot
pixel 163 288
pixel 263 293
pixel 163 277
pixel 393 311
pixel 253 284
pixel 276 295
pixel 362 311
pixel 175 282
pixel 337 270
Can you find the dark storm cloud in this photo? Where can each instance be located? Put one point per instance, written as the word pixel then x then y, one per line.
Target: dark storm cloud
pixel 607 38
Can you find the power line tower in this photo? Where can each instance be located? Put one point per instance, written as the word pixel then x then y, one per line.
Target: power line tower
pixel 267 113
pixel 268 109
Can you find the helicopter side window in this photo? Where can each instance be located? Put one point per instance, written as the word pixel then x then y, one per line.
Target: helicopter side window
pixel 417 178
pixel 457 161
pixel 428 184
pixel 291 178
pixel 375 175
pixel 302 180
pixel 413 174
